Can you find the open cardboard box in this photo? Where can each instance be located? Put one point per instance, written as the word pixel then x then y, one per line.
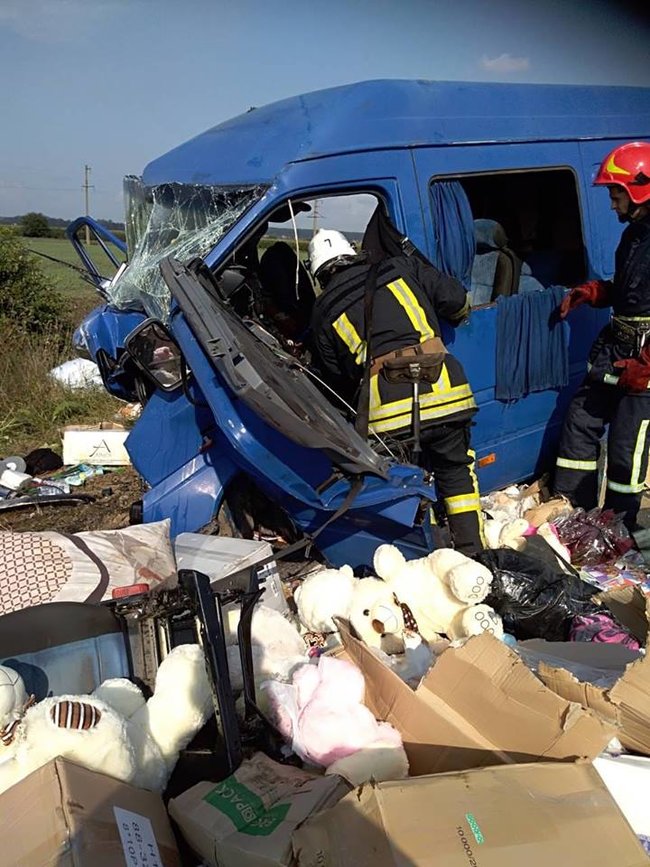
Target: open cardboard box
pixel 534 815
pixel 627 703
pixel 479 705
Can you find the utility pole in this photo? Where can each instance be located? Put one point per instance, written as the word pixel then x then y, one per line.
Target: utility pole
pixel 87 187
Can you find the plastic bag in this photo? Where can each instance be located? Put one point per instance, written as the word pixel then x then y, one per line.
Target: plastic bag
pixel 594 538
pixel 534 598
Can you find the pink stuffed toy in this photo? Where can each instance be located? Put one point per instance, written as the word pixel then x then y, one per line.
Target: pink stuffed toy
pixel 321 713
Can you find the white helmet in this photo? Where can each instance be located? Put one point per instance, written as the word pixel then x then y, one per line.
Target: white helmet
pixel 327 245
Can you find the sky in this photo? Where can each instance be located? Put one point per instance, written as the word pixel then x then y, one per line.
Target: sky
pixel 116 83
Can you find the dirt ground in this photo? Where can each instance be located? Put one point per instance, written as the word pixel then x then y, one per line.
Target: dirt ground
pixel 114 492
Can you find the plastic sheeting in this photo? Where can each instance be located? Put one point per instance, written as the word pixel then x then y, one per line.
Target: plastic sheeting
pixel 454 230
pixel 180 220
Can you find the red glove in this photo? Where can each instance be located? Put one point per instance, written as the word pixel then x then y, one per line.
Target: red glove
pixel 635 372
pixel 595 292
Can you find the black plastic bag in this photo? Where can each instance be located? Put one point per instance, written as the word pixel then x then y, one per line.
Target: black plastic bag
pixel 534 598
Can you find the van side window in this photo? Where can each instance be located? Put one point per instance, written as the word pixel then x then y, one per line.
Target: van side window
pixel 509 232
pixel 277 286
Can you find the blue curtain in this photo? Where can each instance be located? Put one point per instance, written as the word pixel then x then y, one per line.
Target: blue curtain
pixel 532 348
pixel 453 225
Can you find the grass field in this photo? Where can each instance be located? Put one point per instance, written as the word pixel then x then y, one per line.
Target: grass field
pixel 78 294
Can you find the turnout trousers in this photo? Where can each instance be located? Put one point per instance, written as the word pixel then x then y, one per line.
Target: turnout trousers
pixel 446 452
pixel 594 406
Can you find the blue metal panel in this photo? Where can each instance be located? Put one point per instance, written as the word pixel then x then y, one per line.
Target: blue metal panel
pixel 372 115
pixel 191 495
pixel 176 429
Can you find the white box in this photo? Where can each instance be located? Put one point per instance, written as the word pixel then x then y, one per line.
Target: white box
pixel 220 556
pixel 98 445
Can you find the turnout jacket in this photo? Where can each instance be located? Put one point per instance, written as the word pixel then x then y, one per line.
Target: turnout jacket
pixel 629 295
pixel 408 298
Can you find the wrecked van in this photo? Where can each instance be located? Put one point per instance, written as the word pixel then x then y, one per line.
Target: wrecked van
pixel 491 182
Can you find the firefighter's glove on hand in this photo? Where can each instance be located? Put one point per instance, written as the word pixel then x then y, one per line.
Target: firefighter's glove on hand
pixel 594 292
pixel 635 372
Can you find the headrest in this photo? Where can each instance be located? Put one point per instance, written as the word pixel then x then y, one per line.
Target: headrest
pixel 490 235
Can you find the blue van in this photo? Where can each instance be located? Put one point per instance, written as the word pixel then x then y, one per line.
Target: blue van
pixel 492 182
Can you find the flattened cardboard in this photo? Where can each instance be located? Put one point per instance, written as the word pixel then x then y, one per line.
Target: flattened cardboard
pixel 533 815
pixel 627 703
pixel 68 816
pixel 247 820
pixel 479 705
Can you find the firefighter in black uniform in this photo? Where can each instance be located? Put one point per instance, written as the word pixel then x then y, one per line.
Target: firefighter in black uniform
pixel 407 298
pixel 616 388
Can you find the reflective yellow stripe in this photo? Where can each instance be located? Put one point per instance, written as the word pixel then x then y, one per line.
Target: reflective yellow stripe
pixel 610 379
pixel 404 419
pixel 405 405
pixel 625 489
pixel 462 503
pixel 349 335
pixel 634 318
pixel 407 300
pixel 591 466
pixel 472 473
pixel 639 450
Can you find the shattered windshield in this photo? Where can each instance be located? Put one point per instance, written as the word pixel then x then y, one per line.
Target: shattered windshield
pixel 183 220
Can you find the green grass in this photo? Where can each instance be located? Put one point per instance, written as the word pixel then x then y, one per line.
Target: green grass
pixel 79 295
pixel 33 407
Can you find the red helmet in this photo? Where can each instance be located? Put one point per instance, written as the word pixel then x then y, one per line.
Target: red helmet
pixel 628 166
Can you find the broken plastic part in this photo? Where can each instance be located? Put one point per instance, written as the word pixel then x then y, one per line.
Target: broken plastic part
pixel 183 220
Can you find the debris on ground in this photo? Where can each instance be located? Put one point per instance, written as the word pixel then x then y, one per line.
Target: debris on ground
pixel 535 654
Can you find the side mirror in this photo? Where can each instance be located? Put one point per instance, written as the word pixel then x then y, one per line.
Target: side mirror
pixel 157 354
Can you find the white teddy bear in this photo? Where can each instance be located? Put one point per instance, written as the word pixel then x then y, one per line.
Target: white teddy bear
pixel 113 731
pixel 443 592
pixel 324 595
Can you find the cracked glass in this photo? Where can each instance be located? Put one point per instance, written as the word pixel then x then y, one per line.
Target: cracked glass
pixel 180 220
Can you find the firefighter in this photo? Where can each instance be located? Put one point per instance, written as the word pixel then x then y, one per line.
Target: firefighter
pixel 417 392
pixel 615 391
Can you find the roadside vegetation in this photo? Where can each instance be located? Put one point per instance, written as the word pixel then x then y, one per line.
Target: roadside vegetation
pixel 39 309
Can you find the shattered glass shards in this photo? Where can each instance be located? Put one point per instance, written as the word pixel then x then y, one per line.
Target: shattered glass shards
pixel 180 220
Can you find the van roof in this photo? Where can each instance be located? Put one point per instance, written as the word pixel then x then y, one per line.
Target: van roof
pixel 253 147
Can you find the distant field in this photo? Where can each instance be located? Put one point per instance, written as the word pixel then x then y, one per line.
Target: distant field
pixel 68 281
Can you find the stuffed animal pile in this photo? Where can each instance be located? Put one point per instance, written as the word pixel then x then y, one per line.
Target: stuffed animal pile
pixel 434 596
pixel 114 730
pixel 322 715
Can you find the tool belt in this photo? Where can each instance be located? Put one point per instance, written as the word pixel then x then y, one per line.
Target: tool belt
pixel 631 332
pixel 421 362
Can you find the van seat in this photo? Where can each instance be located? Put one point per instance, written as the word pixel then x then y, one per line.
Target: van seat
pixel 63 647
pixel 496 269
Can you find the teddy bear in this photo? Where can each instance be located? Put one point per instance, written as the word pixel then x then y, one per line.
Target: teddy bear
pixel 324 595
pixel 443 592
pixel 113 730
pixel 277 647
pixel 322 715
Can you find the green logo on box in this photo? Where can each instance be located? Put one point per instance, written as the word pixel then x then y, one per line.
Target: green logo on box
pixel 245 809
pixel 476 831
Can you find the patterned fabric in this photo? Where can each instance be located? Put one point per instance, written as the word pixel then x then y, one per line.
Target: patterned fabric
pixel 602 629
pixel 36 568
pixel 33 569
pixel 78 715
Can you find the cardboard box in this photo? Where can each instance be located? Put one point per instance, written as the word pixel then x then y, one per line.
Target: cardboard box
pixel 247 820
pixel 479 705
pixel 533 815
pixel 68 816
pixel 625 704
pixel 97 445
